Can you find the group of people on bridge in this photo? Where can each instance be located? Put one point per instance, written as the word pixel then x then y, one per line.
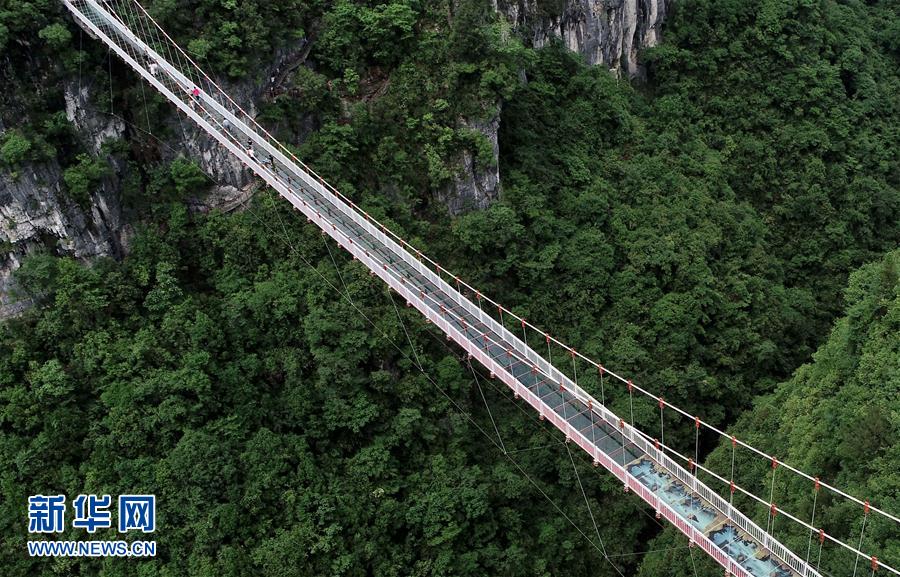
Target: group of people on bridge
pixel 195 101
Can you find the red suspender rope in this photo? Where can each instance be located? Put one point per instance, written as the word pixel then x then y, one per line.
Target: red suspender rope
pixel 772 493
pixel 624 472
pixel 821 544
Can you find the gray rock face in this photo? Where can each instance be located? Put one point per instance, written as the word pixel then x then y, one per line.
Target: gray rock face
pixel 93 128
pixel 195 144
pixel 605 32
pixel 36 214
pixel 476 183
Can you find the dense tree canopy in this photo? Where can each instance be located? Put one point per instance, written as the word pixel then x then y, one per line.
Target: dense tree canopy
pixel 695 231
pixel 283 432
pixel 837 418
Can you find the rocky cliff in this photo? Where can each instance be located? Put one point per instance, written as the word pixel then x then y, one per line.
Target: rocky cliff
pixel 476 182
pixel 38 214
pixel 605 32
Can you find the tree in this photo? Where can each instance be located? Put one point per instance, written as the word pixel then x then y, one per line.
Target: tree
pixel 82 179
pixel 15 148
pixel 56 36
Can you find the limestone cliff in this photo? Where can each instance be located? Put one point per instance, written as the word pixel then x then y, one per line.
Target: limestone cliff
pixel 605 32
pixel 476 182
pixel 38 214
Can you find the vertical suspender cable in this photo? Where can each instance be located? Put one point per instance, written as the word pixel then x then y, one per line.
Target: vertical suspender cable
pixel 109 58
pixel 696 461
pixel 574 369
pixel 662 433
pixel 731 488
pixel 821 544
pixel 624 473
pixel 696 442
pixel 562 396
pixel 812 522
pixel 146 112
pixel 771 517
pixel 80 56
pixel 602 391
pixel 631 400
pixel 574 372
pixel 861 534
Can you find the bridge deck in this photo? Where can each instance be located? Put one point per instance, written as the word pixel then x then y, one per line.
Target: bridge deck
pixel 708 520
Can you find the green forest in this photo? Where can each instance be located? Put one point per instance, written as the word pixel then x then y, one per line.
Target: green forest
pixel 724 231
